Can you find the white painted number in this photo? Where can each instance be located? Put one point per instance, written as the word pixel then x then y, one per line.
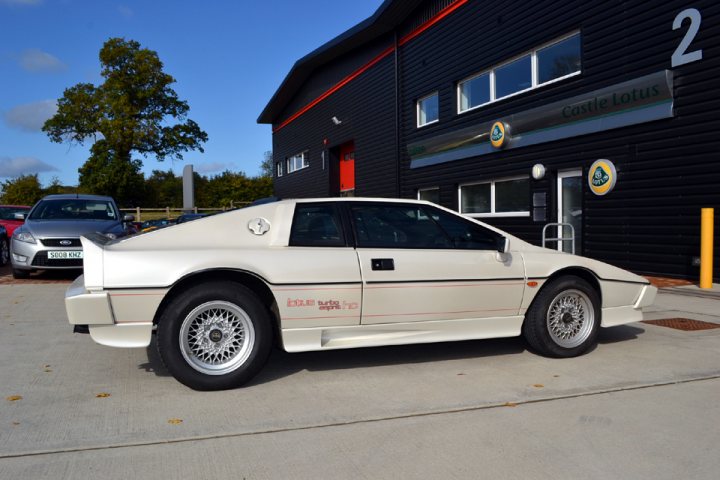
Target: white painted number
pixel 680 56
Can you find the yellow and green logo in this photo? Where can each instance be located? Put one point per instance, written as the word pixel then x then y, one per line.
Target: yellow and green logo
pixel 497 135
pixel 602 177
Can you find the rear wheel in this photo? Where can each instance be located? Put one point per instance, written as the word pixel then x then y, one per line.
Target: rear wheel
pixel 564 318
pixel 215 336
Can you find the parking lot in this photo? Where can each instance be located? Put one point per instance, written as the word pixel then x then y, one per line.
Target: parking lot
pixel 643 404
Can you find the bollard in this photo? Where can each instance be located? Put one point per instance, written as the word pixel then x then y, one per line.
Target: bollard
pixel 706 247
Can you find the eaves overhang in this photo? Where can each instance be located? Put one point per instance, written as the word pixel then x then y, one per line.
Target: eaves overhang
pixel 385 19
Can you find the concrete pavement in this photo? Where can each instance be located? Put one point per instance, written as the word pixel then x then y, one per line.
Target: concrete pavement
pixel 641 405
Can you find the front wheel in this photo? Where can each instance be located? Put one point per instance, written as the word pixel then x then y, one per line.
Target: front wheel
pixel 564 318
pixel 215 336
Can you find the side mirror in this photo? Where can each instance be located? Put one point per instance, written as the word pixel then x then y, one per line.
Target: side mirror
pixel 503 245
pixel 129 218
pixel 19 216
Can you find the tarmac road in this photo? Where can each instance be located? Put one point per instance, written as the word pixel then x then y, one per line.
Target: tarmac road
pixel 643 404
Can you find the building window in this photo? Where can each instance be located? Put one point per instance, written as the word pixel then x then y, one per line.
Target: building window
pixel 513 77
pixel 279 168
pixel 429 195
pixel 297 162
pixel 559 59
pixel 428 110
pixel 507 197
pixel 474 92
pixel 553 61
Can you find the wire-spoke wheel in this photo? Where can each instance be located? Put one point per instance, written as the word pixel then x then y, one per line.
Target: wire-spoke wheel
pixel 214 336
pixel 564 317
pixel 570 318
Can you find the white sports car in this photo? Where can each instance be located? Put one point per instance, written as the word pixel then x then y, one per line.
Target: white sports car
pixel 320 274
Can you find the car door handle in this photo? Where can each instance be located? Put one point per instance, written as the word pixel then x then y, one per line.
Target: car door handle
pixel 383 264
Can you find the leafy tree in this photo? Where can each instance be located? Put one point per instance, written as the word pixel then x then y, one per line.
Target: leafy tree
pixel 127 113
pixel 163 189
pixel 266 167
pixel 22 190
pixel 56 187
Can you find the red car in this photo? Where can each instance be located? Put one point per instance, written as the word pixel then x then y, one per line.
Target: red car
pixel 7 217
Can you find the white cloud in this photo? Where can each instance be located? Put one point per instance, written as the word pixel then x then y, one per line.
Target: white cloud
pixel 34 60
pixel 14 167
pixel 20 2
pixel 213 167
pixel 125 11
pixel 31 116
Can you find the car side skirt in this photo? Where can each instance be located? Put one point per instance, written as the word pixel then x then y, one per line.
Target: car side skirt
pixel 376 335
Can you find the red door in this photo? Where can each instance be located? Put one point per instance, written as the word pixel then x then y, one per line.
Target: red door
pixel 347 167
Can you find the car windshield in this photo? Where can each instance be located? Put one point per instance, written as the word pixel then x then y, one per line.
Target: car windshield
pixel 8 213
pixel 74 209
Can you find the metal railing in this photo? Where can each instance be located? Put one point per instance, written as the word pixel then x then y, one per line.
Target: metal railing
pixel 560 237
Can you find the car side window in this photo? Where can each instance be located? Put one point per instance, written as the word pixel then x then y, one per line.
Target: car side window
pixel 316 225
pixel 396 226
pixel 463 233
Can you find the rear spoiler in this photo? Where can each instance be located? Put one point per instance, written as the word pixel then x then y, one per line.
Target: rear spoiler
pixel 93 250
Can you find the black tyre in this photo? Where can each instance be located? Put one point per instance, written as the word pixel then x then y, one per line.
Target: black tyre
pixel 4 252
pixel 20 273
pixel 215 336
pixel 564 318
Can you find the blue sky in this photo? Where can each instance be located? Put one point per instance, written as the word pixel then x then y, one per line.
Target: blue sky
pixel 228 58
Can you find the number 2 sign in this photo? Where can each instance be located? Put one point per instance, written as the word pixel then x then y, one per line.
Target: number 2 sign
pixel 681 56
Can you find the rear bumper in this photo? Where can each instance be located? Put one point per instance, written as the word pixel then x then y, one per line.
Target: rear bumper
pixel 95 310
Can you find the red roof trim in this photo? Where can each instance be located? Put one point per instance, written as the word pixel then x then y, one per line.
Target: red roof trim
pixel 419 30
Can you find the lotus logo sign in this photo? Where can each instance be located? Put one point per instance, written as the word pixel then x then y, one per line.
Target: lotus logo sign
pixel 498 134
pixel 602 177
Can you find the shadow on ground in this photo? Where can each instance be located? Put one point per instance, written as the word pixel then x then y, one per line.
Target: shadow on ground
pixel 282 364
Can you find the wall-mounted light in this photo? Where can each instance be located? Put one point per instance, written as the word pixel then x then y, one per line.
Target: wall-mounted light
pixel 538 171
pixel 336 120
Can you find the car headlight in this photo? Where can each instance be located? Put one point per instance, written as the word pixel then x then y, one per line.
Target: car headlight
pixel 23 236
pixel 111 236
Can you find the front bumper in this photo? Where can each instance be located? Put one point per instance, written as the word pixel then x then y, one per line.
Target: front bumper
pixel 31 256
pixel 95 310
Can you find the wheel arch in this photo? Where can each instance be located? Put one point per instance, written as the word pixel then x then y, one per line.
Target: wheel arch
pixel 253 282
pixel 584 273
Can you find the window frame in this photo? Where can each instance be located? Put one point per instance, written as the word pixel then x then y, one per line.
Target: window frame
pixel 279 169
pixel 341 224
pixel 305 162
pixel 493 213
pixel 428 189
pixel 534 72
pixel 436 93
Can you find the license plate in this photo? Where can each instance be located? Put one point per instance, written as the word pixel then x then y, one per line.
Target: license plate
pixel 65 255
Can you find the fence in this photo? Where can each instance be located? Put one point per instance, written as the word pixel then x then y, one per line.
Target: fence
pixel 142 214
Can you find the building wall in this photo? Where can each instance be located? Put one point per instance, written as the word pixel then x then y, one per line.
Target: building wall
pixel 367 109
pixel 667 169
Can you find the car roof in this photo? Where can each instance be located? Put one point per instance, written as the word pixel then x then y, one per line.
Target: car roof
pixel 79 196
pixel 356 199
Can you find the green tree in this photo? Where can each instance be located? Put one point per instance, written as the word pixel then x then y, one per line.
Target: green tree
pixel 127 113
pixel 266 167
pixel 164 189
pixel 22 190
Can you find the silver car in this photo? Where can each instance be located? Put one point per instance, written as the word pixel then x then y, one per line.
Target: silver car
pixel 50 236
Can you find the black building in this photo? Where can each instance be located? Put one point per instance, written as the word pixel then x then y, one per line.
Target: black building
pixel 598 114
